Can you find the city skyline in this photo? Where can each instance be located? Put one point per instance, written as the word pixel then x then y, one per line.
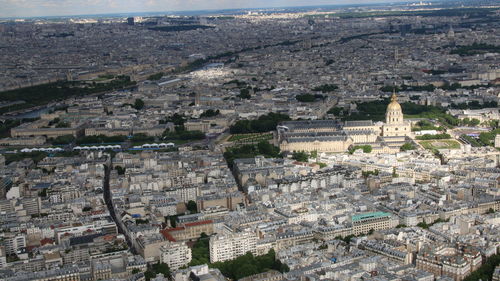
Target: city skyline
pixel 50 8
pixel 331 142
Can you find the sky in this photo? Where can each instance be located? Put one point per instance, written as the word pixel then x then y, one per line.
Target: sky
pixel 35 8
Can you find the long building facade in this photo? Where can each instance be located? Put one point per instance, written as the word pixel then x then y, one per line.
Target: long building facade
pixel 332 136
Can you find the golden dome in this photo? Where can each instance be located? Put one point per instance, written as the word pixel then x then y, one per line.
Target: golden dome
pixel 394 105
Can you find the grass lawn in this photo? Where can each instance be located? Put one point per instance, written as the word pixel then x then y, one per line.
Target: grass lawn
pixel 250 137
pixel 440 144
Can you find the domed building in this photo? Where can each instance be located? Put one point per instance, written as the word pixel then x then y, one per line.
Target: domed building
pixel 333 136
pixel 395 125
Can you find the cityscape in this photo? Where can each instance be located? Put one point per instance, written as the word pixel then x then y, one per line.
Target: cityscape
pixel 253 141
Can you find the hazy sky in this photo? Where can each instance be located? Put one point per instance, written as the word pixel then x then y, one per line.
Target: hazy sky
pixel 28 8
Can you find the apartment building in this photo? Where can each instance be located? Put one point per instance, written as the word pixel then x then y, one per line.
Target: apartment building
pixel 14 243
pixel 230 246
pixel 175 254
pixel 364 223
pixel 189 231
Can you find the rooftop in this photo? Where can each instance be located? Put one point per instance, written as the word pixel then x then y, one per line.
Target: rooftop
pixel 369 216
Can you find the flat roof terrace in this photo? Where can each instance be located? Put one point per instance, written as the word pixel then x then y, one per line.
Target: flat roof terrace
pixel 366 216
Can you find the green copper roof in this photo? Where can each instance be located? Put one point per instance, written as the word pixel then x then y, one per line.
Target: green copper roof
pixel 369 216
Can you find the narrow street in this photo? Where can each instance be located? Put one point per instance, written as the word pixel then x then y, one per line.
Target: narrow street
pixel 109 203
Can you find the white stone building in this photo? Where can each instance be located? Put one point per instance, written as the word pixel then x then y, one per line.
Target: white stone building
pixel 230 246
pixel 175 255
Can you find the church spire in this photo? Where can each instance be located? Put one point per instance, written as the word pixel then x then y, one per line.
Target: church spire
pixel 394 97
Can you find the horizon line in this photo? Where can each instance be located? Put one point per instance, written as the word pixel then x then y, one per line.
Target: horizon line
pixel 219 10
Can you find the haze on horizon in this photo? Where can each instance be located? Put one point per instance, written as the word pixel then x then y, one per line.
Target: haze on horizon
pixel 40 8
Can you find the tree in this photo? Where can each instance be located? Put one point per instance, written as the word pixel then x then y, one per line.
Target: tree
pixel 192 207
pixel 470 122
pixel 54 121
pixel 394 174
pixel 156 76
pixel 265 123
pixel 305 98
pixel 120 170
pixel 426 125
pixel 366 174
pixel 155 269
pixel 172 220
pixel 46 93
pixel 300 156
pixel 177 119
pixel 181 134
pixel 314 154
pixel 43 192
pixel 475 48
pixel 494 124
pixel 210 113
pixel 366 148
pixel 326 88
pixel 63 125
pixel 347 239
pixel 321 165
pixel 475 122
pixel 407 146
pixel 244 94
pixel 135 271
pixel 337 111
pixel 200 251
pixel 309 97
pixel 434 137
pixel 139 104
pixel 141 221
pixel 488 137
pixel 250 151
pixel 249 264
pixel 485 272
pixel 423 225
pixel 267 149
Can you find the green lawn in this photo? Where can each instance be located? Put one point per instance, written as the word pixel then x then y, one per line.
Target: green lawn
pixel 250 137
pixel 440 144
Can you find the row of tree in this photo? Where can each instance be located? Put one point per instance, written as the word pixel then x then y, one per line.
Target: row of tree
pixel 475 48
pixel 326 88
pixel 251 150
pixel 249 264
pixel 264 123
pixel 210 113
pixel 366 148
pixel 433 137
pixel 427 88
pixel 407 146
pixel 485 272
pixel 43 94
pixel 488 138
pixel 310 97
pixel 424 125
